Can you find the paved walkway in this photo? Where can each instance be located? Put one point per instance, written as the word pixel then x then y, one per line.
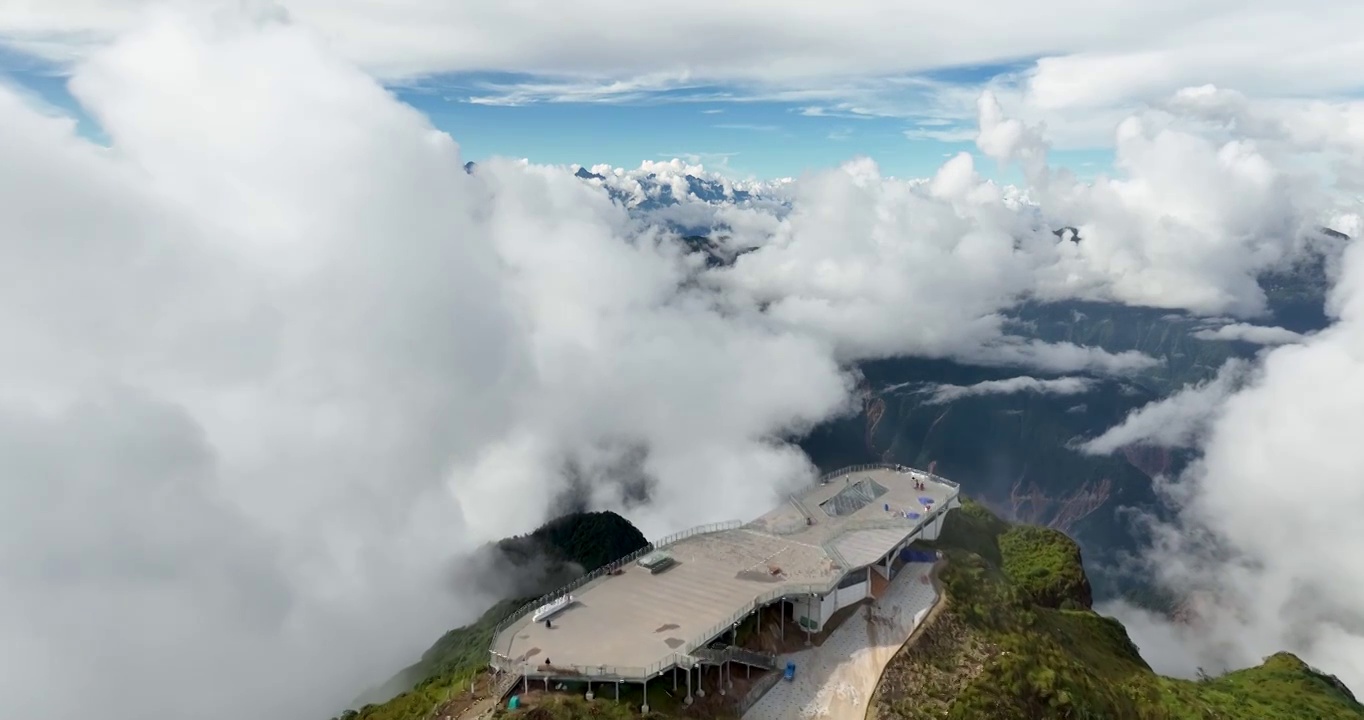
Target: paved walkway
pixel 836 679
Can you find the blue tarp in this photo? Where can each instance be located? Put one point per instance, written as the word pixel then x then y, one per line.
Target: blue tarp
pixel 918 556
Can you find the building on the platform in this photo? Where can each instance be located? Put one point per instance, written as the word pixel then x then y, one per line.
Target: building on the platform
pixel 675 605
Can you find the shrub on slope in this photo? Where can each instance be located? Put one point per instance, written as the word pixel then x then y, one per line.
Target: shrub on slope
pixel 564 547
pixel 1017 640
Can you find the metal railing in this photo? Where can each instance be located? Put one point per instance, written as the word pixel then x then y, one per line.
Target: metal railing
pixel 756 659
pixel 533 605
pixel 756 691
pixel 732 653
pixel 597 672
pixel 800 505
pixel 711 655
pixel 698 530
pixel 760 601
pixel 896 521
pixel 860 468
pixel 835 555
pixel 883 466
pixel 683 658
pixel 504 685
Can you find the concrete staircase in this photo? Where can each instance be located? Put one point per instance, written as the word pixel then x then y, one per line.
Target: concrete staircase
pixel 504 686
pixel 717 656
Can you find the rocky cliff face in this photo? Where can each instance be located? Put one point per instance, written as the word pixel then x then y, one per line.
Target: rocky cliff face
pixel 1151 461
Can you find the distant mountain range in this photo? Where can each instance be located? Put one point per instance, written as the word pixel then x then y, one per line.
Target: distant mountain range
pixel 681 197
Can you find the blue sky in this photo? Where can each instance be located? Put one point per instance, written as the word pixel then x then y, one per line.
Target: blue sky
pixel 744 138
pixel 763 139
pixel 767 139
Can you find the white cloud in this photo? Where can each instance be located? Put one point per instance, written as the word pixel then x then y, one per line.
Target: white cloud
pixel 1260 548
pixel 1156 48
pixel 1267 522
pixel 1245 332
pixel 747 126
pixel 942 134
pixel 1054 386
pixel 858 58
pixel 635 89
pixel 1177 421
pixel 276 358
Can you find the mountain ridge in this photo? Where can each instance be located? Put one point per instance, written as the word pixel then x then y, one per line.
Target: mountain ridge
pixel 1018 638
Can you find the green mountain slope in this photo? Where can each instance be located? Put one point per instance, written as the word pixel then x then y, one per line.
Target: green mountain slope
pixel 556 553
pixel 1017 639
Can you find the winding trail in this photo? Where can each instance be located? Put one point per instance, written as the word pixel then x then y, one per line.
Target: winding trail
pixel 836 680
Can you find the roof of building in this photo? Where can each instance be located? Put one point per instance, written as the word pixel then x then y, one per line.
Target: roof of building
pixel 634 623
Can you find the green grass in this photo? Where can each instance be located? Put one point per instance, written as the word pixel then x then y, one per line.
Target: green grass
pixel 1045 566
pixel 973 529
pixel 1281 687
pixel 570 704
pixel 1018 640
pixel 589 540
pixel 575 707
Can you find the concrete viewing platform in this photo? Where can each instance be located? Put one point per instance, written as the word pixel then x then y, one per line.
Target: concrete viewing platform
pixel 632 624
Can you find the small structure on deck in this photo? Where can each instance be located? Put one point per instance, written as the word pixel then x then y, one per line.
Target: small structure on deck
pixel 657 561
pixel 552 608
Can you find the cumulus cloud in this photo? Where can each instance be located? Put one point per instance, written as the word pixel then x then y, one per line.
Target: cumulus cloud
pixel 1177 421
pixel 1245 332
pixel 883 265
pixel 276 360
pixel 1265 526
pixel 1141 52
pixel 1267 522
pixel 859 59
pixel 1054 386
